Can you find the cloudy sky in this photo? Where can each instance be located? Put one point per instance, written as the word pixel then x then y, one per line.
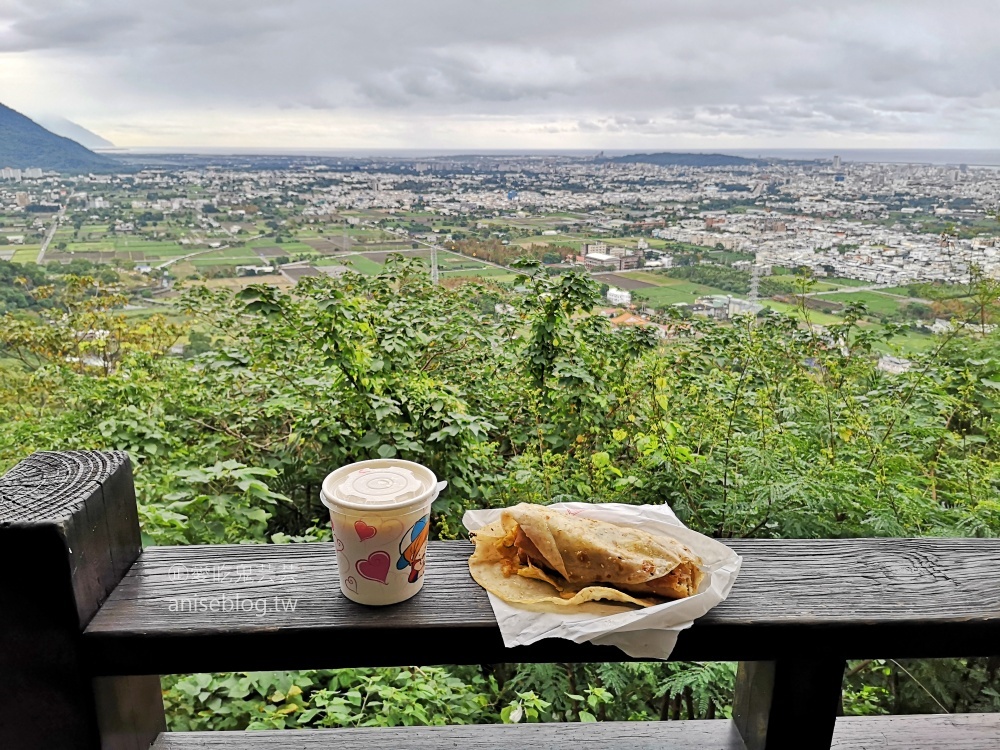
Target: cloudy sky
pixel 510 73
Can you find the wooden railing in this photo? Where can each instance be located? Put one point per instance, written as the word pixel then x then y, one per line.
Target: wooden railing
pixel 89 621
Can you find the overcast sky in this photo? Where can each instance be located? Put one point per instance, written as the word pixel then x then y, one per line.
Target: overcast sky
pixel 510 73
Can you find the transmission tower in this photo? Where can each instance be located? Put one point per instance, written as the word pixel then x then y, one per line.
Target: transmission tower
pixel 434 265
pixel 754 282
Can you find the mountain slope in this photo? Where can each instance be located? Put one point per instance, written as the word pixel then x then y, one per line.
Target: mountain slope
pixel 24 143
pixel 73 131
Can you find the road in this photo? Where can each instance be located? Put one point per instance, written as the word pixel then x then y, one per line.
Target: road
pixel 51 233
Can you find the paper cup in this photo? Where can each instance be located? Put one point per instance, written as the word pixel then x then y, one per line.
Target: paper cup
pixel 380 514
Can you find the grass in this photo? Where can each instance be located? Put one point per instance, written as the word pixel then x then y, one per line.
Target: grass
pixel 649 277
pixel 814 316
pixel 243 281
pixel 912 342
pixel 26 254
pixel 668 291
pixel 682 291
pixel 878 304
pixel 840 281
pixel 497 274
pixel 902 291
pixel 360 263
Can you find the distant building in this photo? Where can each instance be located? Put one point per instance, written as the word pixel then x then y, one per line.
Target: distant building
pixel 743 307
pixel 836 162
pixel 619 296
pixel 615 262
pixel 601 260
pixel 22 200
pixel 253 270
pixel 713 306
pixel 894 365
pixel 634 260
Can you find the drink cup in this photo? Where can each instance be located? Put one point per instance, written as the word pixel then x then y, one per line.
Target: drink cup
pixel 380 513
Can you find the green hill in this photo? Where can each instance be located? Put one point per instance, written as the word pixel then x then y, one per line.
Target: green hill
pixel 667 159
pixel 24 143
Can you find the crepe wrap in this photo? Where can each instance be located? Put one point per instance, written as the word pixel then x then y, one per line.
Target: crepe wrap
pixel 535 554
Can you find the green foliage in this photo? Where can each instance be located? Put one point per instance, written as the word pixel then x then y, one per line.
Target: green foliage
pixel 759 428
pixel 331 698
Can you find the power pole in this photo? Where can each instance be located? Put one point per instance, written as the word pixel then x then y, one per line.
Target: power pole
pixel 754 282
pixel 435 277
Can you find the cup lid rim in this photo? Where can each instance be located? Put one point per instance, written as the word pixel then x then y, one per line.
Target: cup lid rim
pixel 423 474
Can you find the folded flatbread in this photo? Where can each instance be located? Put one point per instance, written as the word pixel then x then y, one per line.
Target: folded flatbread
pixel 535 554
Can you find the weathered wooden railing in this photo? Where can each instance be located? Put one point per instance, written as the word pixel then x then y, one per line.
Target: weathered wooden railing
pixel 88 622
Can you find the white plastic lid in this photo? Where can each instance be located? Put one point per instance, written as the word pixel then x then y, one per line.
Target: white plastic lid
pixel 380 484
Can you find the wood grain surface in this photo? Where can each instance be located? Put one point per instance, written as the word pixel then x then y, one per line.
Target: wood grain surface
pixel 858 598
pixel 71 518
pixel 955 732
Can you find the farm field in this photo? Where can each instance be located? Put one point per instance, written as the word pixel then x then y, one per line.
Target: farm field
pixel 487 272
pixel 452 264
pixel 840 281
pixel 242 282
pixel 814 317
pixel 627 281
pixel 682 291
pixel 660 290
pixel 878 304
pixel 911 342
pixel 26 254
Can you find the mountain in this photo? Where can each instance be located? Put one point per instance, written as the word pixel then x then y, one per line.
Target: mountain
pixel 68 129
pixel 668 159
pixel 24 143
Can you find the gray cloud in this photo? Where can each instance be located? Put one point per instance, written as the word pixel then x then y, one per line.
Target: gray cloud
pixel 652 68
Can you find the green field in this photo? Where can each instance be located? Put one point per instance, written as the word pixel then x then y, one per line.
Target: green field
pixel 494 274
pixel 359 263
pixel 26 254
pixel 660 296
pixel 840 281
pixel 912 342
pixel 878 304
pixel 813 316
pixel 668 291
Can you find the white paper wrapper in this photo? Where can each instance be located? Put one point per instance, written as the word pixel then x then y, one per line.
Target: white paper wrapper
pixel 650 632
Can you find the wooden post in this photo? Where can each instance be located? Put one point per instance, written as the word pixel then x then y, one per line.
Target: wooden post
pixel 789 703
pixel 69 532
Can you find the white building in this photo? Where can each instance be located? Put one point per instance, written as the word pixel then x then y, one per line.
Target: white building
pixel 619 296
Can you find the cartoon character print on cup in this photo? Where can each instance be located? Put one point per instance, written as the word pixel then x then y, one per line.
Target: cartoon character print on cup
pixel 375 568
pixel 413 548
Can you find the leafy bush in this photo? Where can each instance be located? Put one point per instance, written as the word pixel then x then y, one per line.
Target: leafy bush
pixel 759 428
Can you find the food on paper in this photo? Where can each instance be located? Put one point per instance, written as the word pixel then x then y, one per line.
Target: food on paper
pixel 535 554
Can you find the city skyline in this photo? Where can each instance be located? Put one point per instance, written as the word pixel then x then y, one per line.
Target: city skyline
pixel 639 76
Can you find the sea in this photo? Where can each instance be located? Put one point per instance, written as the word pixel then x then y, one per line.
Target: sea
pixel 936 156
